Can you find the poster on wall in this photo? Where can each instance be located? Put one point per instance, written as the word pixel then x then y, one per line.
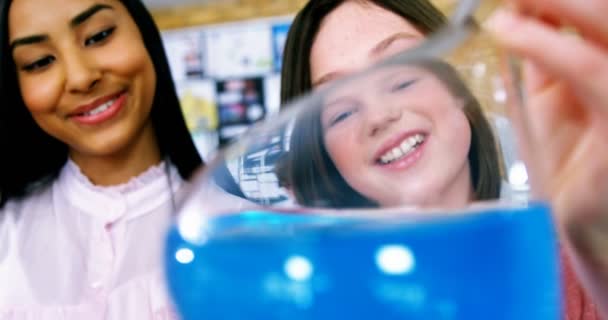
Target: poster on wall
pixel 238 51
pixel 227 77
pixel 186 52
pixel 272 92
pixel 198 102
pixel 240 103
pixel 279 36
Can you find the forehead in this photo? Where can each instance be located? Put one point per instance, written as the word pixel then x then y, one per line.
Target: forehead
pixel 351 31
pixel 41 16
pixel 365 18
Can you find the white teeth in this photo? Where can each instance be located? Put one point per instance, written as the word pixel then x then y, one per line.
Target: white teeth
pixel 406 147
pixel 397 153
pixel 99 109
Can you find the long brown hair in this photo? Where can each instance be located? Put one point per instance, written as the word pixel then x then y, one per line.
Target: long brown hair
pixel 308 170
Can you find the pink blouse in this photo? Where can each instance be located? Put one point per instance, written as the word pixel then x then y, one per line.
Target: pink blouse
pixel 73 250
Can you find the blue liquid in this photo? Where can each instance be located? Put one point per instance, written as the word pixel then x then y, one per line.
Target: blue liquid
pixel 501 264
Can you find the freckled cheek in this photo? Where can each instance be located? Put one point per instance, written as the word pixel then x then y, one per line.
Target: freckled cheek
pixel 457 130
pixel 343 151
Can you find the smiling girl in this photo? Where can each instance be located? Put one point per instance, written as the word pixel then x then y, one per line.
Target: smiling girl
pixel 353 137
pixel 94 152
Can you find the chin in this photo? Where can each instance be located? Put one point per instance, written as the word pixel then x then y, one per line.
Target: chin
pixel 420 199
pixel 105 148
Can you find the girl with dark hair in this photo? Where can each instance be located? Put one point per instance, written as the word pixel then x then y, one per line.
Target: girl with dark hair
pixel 333 38
pixel 94 151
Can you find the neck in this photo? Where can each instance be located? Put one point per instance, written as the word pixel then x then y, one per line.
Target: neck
pixel 460 193
pixel 119 167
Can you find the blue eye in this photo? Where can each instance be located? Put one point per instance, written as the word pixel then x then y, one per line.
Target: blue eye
pixel 39 64
pixel 402 85
pixel 341 117
pixel 99 37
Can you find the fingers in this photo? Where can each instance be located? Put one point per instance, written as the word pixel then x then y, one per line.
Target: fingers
pixel 583 66
pixel 587 16
pixel 580 196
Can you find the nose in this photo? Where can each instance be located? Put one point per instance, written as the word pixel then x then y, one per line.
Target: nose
pixel 81 72
pixel 382 117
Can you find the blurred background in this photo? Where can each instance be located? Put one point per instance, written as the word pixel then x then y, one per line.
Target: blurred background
pixel 225 57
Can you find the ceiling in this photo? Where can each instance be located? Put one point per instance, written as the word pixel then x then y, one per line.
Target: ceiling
pixel 156 4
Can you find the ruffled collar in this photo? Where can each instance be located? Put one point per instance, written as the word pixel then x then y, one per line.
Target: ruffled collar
pixel 139 195
pixel 153 173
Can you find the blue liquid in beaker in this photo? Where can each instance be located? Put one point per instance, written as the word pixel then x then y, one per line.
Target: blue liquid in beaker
pixel 499 264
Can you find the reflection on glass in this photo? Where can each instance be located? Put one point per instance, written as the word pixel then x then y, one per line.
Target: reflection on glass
pixel 184 256
pixel 395 260
pixel 298 268
pixel 192 225
pixel 518 176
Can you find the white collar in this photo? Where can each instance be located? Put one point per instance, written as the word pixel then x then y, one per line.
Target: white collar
pixel 140 195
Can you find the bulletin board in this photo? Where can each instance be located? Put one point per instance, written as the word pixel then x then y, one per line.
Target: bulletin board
pixel 227 76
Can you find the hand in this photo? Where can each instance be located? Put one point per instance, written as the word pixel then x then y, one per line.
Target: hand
pixel 566 76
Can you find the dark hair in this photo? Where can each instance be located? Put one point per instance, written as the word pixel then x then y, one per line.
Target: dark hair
pixel 315 181
pixel 31 157
pixel 295 75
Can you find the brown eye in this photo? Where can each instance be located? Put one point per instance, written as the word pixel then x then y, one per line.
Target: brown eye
pixel 99 37
pixel 39 64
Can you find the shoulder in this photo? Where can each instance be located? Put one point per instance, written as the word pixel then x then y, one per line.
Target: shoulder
pixel 17 214
pixel 16 220
pixel 16 210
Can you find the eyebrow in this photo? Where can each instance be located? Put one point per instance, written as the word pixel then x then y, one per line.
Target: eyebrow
pixel 28 40
pixel 382 45
pixel 328 77
pixel 74 22
pixel 85 15
pixel 378 48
